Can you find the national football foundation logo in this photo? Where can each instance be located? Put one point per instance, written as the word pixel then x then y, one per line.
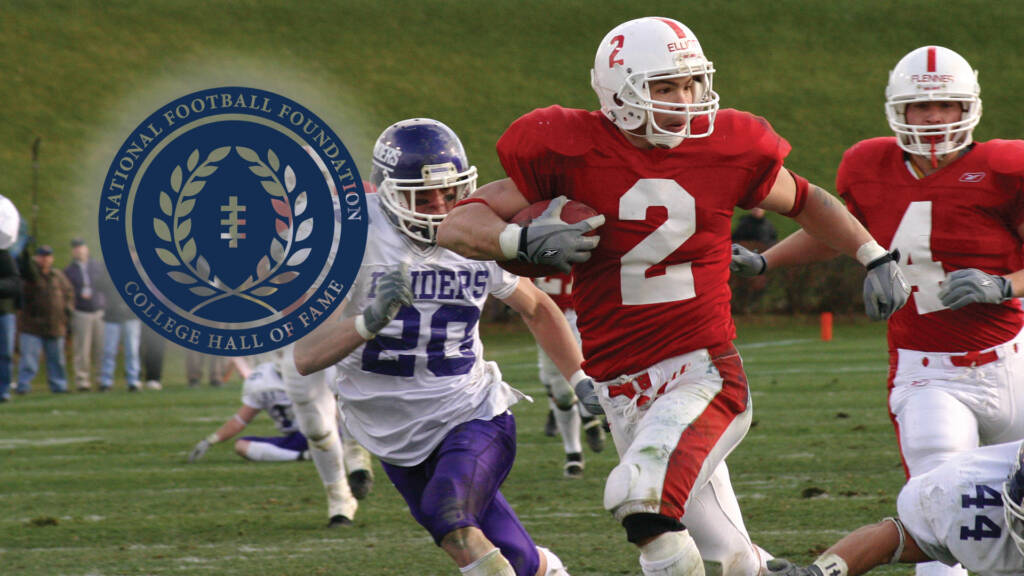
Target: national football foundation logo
pixel 233 221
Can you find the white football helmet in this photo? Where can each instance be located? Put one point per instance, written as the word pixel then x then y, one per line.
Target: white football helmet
pixel 933 74
pixel 1013 495
pixel 418 155
pixel 633 54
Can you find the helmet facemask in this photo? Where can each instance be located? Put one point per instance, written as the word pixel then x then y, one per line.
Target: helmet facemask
pixel 934 141
pixel 637 102
pixel 399 197
pixel 1013 495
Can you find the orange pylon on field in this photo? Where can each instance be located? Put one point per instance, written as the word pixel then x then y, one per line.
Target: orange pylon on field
pixel 826 326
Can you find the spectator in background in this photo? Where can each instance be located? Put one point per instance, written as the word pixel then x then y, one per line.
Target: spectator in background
pixel 120 326
pixel 755 228
pixel 47 299
pixel 10 292
pixel 87 315
pixel 152 349
pixel 216 368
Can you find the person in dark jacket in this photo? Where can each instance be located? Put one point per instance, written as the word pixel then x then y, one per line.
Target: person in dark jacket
pixel 47 299
pixel 10 293
pixel 87 315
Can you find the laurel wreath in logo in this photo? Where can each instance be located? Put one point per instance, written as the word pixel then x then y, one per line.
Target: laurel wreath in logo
pixel 275 268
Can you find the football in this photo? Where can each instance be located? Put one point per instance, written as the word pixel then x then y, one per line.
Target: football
pixel 572 213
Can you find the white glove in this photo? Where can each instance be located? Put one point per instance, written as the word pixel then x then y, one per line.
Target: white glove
pixel 588 396
pixel 199 450
pixel 746 262
pixel 972 286
pixel 394 290
pixel 548 240
pixel 885 289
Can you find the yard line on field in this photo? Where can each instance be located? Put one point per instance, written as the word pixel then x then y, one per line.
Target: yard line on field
pixel 840 369
pixel 773 343
pixel 9 443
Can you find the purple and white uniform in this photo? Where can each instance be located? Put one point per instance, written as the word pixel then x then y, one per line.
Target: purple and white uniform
pixel 264 390
pixel 422 398
pixel 955 511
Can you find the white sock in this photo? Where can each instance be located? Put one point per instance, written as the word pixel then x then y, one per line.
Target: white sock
pixel 569 423
pixel 490 564
pixel 327 455
pixel 671 554
pixel 356 457
pixel 340 499
pixel 266 452
pixel 555 566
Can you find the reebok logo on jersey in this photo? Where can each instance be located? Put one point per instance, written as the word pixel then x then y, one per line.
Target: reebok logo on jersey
pixel 549 253
pixel 972 176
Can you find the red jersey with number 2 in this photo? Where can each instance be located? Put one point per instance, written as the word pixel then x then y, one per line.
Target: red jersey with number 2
pixel 657 285
pixel 963 216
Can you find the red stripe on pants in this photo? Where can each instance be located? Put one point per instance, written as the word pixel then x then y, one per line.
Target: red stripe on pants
pixel 701 436
pixel 894 361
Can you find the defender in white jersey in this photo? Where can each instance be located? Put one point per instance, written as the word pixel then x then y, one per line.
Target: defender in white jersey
pixel 413 385
pixel 262 391
pixel 967 510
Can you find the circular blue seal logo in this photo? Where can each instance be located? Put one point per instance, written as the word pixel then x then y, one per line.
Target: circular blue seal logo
pixel 233 221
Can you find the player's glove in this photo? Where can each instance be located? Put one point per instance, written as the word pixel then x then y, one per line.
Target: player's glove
pixel 972 286
pixel 588 396
pixel 783 567
pixel 885 289
pixel 746 262
pixel 199 451
pixel 550 241
pixel 394 290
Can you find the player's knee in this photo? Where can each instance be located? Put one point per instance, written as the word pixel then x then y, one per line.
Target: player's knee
pixel 618 488
pixel 323 440
pixel 242 448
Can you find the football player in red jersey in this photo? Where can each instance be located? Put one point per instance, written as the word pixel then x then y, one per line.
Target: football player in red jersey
pixel 954 210
pixel 664 167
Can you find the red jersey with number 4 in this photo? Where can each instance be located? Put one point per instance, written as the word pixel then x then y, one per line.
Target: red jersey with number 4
pixel 657 284
pixel 963 216
pixel 559 287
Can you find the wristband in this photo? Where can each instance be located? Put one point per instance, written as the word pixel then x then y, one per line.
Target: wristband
pixel 508 241
pixel 869 252
pixel 576 377
pixel 903 540
pixel 361 328
pixel 213 438
pixel 832 565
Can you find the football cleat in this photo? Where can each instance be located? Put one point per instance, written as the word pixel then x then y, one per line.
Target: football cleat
pixel 339 520
pixel 360 482
pixel 574 465
pixel 594 431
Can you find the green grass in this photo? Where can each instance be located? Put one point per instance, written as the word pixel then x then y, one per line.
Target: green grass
pixel 82 74
pixel 98 484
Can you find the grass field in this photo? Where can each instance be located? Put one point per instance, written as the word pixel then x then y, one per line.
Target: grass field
pixel 98 484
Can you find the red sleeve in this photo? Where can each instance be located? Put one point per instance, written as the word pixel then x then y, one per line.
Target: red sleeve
pixel 766 151
pixel 1008 165
pixel 847 167
pixel 533 150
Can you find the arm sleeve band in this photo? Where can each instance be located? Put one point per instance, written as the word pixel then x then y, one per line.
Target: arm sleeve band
pixel 802 187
